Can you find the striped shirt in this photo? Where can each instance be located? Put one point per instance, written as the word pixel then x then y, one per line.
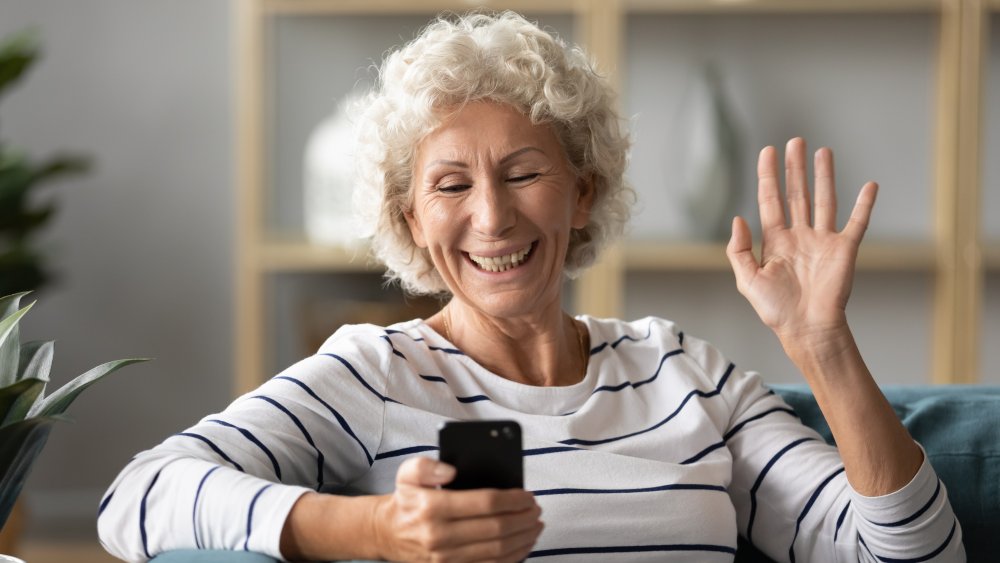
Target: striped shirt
pixel 664 452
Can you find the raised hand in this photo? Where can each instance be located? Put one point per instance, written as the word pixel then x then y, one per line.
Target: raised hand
pixel 419 522
pixel 803 279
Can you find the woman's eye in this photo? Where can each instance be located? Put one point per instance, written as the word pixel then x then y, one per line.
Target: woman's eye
pixel 523 178
pixel 453 188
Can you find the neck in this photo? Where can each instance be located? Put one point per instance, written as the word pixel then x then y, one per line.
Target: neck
pixel 542 349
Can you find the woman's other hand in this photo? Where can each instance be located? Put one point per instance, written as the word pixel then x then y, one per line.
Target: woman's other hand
pixel 420 522
pixel 801 284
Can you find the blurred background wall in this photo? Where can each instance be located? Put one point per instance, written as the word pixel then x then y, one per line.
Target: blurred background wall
pixel 143 242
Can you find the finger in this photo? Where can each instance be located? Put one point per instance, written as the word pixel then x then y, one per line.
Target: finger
pixel 857 224
pixel 485 502
pixel 796 182
pixel 772 212
pixel 740 254
pixel 826 191
pixel 424 472
pixel 494 549
pixel 470 530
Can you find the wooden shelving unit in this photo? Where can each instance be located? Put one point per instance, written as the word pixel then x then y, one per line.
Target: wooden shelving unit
pixel 955 259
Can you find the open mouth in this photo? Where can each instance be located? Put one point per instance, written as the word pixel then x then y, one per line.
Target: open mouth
pixel 502 263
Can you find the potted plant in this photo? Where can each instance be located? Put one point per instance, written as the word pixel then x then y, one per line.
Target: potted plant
pixel 22 263
pixel 27 413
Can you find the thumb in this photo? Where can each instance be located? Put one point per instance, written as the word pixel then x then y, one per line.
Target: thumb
pixel 740 253
pixel 424 472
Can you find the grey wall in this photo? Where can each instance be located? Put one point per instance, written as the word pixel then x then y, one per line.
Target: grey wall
pixel 143 241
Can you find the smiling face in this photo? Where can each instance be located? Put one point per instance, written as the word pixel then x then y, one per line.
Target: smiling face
pixel 494 201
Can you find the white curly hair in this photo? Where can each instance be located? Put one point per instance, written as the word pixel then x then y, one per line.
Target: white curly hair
pixel 497 57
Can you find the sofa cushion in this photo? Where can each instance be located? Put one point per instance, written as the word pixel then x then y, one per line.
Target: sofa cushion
pixel 959 428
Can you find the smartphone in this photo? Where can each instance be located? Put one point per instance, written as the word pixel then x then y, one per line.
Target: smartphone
pixel 486 453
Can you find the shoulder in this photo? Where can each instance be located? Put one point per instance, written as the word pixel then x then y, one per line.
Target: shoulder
pixel 606 333
pixel 365 347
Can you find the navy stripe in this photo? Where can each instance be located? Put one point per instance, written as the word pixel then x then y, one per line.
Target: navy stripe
pixel 394 350
pixel 434 378
pixel 142 516
pixel 840 520
pixel 620 386
pixel 863 544
pixel 716 391
pixel 455 351
pixel 760 479
pixel 104 503
pixel 194 509
pixel 598 348
pixel 246 544
pixel 649 332
pixel 551 450
pixel 357 376
pixel 249 436
pixel 340 419
pixel 675 487
pixel 807 508
pixel 406 451
pixel 740 426
pixel 305 434
pixel 703 453
pixel 915 515
pixel 473 399
pixel 680 338
pixel 927 557
pixel 632 549
pixel 215 448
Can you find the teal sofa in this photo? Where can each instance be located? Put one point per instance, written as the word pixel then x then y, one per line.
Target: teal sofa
pixel 959 427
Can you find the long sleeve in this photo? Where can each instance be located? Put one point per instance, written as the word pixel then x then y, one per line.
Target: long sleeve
pixel 229 481
pixel 793 499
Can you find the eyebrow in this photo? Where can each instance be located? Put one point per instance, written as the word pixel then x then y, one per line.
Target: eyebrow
pixel 503 160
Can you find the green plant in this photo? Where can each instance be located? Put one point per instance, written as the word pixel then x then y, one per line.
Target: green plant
pixel 26 413
pixel 22 263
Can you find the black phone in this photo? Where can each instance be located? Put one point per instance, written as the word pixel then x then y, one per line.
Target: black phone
pixel 486 453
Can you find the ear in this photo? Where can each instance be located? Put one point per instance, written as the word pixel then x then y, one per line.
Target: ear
pixel 584 201
pixel 416 231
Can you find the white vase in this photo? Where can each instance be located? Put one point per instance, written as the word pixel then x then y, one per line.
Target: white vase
pixel 329 181
pixel 709 163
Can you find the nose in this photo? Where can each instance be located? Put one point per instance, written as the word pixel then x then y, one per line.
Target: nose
pixel 493 211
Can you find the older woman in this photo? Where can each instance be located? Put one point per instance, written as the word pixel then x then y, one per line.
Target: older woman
pixel 493 162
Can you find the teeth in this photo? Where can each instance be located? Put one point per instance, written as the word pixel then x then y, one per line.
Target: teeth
pixel 501 263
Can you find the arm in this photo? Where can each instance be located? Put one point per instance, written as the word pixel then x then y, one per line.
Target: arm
pixel 800 289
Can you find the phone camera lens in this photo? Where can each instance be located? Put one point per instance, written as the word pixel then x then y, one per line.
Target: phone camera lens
pixel 508 432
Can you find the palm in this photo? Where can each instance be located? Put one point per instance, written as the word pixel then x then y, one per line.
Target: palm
pixel 803 279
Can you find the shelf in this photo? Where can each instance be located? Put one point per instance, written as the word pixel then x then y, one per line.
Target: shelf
pixel 288 256
pixel 402 7
pixel 783 6
pixel 991 257
pixel 711 257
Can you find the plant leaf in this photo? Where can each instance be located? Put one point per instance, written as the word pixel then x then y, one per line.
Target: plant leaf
pixel 10 393
pixel 60 400
pixel 20 444
pixel 11 303
pixel 17 54
pixel 10 346
pixel 16 400
pixel 36 359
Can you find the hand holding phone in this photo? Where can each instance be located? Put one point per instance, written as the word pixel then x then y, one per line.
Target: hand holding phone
pixel 486 454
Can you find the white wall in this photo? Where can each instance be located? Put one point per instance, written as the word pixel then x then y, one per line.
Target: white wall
pixel 143 241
